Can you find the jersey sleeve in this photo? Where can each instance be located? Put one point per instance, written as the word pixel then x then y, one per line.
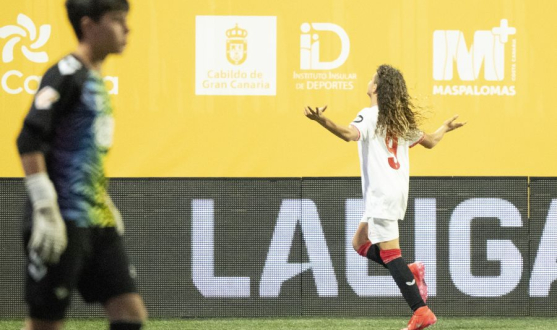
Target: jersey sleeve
pixel 56 93
pixel 419 137
pixel 364 123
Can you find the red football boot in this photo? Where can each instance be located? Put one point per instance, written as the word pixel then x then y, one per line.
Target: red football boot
pixel 421 319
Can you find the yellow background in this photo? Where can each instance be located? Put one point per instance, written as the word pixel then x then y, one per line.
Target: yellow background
pixel 164 130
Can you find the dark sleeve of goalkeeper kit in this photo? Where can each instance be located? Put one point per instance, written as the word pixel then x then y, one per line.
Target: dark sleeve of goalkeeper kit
pixel 57 94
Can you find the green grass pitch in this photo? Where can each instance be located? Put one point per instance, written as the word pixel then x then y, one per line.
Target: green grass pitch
pixel 484 323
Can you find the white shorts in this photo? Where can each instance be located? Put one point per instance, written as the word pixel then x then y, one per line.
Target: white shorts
pixel 381 230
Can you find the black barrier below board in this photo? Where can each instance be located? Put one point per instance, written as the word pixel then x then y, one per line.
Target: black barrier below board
pixel 282 247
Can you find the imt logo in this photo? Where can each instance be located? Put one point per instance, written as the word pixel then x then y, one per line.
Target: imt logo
pixel 311 60
pixel 310 46
pixel 26 29
pixel 487 51
pixel 14 81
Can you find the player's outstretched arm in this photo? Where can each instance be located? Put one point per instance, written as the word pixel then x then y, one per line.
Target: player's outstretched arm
pixel 431 139
pixel 347 133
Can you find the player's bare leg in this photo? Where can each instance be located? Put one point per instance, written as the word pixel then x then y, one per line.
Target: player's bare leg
pixel 126 309
pixel 363 246
pixel 360 237
pixel 390 245
pixel 35 324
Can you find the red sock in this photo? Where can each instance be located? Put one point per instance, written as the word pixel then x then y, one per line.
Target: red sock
pixel 364 248
pixel 390 255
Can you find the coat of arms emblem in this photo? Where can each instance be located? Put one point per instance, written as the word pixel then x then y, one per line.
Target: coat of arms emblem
pixel 236 45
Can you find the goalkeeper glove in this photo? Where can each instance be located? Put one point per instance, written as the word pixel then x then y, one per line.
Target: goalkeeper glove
pixel 48 234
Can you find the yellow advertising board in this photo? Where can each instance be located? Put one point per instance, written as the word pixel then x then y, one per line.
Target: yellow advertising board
pixel 217 88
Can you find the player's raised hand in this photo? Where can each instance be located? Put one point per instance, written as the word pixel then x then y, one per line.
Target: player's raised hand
pixel 314 114
pixel 451 125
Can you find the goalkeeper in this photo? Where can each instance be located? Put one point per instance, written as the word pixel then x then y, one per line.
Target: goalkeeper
pixel 72 229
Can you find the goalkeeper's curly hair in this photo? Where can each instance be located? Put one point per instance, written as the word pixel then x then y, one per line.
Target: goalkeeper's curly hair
pixel 398 117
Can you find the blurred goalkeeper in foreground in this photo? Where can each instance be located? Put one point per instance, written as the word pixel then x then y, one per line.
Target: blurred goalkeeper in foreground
pixel 72 228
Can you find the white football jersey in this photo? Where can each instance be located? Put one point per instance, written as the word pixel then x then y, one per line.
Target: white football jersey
pixel 385 168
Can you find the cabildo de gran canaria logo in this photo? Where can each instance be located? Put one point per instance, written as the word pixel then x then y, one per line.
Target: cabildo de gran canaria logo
pixel 24 38
pixel 235 55
pixel 488 50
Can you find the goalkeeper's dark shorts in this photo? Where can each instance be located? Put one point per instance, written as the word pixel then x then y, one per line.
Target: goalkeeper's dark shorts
pixel 94 262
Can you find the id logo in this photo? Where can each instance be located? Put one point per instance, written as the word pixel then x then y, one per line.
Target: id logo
pixel 487 51
pixel 235 55
pixel 25 38
pixel 310 47
pixel 311 59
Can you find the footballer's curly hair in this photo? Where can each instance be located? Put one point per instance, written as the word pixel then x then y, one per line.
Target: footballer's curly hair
pixel 398 117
